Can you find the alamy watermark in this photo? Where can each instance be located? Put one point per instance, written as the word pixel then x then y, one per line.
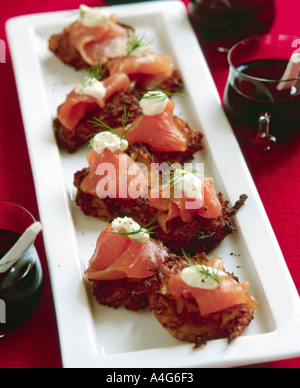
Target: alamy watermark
pixel 2 51
pixel 296 53
pixel 162 181
pixel 2 311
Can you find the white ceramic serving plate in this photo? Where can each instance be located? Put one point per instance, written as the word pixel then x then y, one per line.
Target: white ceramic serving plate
pixel 96 336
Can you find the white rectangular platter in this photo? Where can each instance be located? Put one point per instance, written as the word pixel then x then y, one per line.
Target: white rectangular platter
pixel 95 336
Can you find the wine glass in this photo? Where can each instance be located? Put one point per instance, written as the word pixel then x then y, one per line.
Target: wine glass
pixel 262 95
pixel 222 23
pixel 21 287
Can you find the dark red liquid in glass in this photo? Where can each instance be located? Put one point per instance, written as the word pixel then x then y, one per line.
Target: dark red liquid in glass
pixel 22 286
pixel 225 22
pixel 246 99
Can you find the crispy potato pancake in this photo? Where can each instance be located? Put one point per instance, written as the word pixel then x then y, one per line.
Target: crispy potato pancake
pixel 60 46
pixel 111 115
pixel 133 294
pixel 201 235
pixel 181 316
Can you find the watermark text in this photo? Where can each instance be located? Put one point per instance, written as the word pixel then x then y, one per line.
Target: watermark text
pixel 2 311
pixel 2 51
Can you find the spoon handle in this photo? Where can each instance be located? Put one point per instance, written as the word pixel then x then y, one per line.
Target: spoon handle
pixel 20 247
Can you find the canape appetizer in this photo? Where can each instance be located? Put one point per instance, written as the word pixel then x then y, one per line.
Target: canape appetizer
pixel 146 70
pixel 113 173
pixel 191 215
pixel 169 137
pixel 94 99
pixel 196 300
pixel 94 38
pixel 195 224
pixel 124 261
pixel 94 106
pixel 97 37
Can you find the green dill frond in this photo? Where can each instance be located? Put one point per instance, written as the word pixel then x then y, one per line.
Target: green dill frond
pixel 100 124
pixel 90 142
pixel 147 229
pixel 96 72
pixel 171 180
pixel 81 14
pixel 135 42
pixel 205 270
pixel 159 95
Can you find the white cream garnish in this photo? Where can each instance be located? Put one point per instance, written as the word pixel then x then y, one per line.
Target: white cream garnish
pixel 141 51
pixel 110 141
pixel 189 183
pixel 123 50
pixel 94 17
pixel 154 103
pixel 93 88
pixel 130 227
pixel 193 277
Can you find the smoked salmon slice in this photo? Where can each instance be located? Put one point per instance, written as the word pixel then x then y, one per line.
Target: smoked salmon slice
pixel 114 175
pixel 197 308
pixel 77 106
pixel 159 132
pixel 229 293
pixel 158 68
pixel 149 64
pixel 170 206
pixel 118 257
pixel 97 44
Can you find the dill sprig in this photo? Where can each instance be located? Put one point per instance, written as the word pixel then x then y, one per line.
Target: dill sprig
pixel 95 72
pixel 100 124
pixel 210 272
pixel 171 180
pixel 91 137
pixel 81 14
pixel 159 95
pixel 147 229
pixel 134 42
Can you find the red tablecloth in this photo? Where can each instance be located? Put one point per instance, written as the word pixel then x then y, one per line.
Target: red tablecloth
pixel 276 175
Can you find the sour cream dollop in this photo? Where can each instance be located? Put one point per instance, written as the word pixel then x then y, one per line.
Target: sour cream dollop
pixel 194 278
pixel 94 17
pixel 94 88
pixel 189 183
pixel 122 50
pixel 128 225
pixel 110 141
pixel 154 103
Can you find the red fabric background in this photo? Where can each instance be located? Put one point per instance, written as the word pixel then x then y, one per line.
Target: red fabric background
pixel 36 344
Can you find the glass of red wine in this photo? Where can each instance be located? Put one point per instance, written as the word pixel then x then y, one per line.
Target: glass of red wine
pixel 222 23
pixel 262 96
pixel 21 287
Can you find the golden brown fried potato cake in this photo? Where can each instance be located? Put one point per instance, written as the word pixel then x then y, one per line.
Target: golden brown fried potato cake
pixel 181 317
pixel 111 115
pixel 141 84
pixel 60 45
pixel 131 293
pixel 201 235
